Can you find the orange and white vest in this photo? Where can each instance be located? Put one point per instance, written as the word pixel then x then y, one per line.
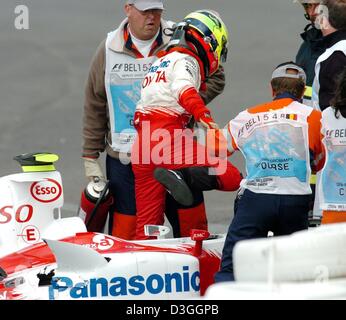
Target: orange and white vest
pixel 275 144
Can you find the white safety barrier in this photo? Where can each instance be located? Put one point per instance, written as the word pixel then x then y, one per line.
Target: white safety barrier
pixel 332 290
pixel 317 254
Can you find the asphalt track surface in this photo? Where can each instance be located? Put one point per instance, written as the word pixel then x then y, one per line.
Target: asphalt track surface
pixel 43 71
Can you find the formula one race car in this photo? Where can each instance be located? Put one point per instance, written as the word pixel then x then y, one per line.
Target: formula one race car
pixel 89 265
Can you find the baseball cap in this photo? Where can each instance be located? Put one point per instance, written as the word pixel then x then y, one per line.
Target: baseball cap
pixel 282 71
pixel 143 5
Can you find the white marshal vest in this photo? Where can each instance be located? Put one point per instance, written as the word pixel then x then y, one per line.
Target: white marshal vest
pixel 339 46
pixel 123 78
pixel 276 148
pixel 332 186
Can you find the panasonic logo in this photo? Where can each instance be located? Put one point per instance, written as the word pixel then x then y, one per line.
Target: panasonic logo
pixel 127 286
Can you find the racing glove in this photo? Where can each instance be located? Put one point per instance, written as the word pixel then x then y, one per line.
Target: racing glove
pixel 217 144
pixel 207 121
pixel 93 169
pixel 192 102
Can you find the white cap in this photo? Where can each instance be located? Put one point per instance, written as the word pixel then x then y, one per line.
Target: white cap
pixel 143 5
pixel 282 72
pixel 309 1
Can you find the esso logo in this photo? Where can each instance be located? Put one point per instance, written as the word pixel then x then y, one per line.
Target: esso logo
pixel 46 191
pixel 23 214
pixel 30 234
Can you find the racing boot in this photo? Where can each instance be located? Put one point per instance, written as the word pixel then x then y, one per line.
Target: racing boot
pixel 200 178
pixel 179 183
pixel 174 182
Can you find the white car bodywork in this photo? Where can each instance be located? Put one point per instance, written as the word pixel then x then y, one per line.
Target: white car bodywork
pixel 30 210
pixel 88 265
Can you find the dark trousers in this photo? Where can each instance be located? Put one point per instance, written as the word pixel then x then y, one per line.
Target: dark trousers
pixel 255 214
pixel 121 186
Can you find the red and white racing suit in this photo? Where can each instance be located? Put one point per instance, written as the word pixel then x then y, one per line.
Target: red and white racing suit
pixel 169 97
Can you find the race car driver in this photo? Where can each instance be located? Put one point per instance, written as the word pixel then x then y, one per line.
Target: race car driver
pixel 169 98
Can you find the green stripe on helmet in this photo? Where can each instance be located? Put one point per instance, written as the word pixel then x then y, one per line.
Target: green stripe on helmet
pixel 207 18
pixel 211 25
pixel 204 30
